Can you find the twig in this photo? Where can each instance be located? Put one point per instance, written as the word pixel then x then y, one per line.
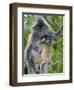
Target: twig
pixel 56 28
pixel 57 62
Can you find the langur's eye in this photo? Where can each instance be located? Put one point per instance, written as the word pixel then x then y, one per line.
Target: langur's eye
pixel 43 39
pixel 47 41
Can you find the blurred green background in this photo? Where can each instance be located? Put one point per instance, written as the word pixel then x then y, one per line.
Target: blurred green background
pixel 55 22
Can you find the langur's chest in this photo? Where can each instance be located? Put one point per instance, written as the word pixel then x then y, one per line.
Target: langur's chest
pixel 47 53
pixel 44 56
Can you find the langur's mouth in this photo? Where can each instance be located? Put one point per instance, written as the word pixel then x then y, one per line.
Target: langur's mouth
pixel 45 43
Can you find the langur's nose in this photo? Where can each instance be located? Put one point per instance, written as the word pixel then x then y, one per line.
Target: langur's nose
pixel 40 25
pixel 50 41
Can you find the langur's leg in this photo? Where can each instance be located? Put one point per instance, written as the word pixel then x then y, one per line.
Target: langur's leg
pixel 44 68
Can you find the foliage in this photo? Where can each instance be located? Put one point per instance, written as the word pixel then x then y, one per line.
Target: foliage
pixel 55 22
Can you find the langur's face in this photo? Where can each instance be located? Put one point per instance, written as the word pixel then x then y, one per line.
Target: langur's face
pixel 48 39
pixel 40 26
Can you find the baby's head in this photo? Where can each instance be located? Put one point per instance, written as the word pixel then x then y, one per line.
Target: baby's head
pixel 48 39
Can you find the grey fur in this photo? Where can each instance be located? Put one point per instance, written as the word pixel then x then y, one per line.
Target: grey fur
pixel 34 50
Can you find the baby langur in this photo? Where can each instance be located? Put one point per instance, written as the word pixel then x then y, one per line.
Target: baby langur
pixel 41 60
pixel 46 43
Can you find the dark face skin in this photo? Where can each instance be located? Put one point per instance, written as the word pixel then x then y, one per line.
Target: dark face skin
pixel 48 39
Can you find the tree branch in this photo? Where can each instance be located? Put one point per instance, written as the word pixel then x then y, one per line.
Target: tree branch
pixel 54 26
